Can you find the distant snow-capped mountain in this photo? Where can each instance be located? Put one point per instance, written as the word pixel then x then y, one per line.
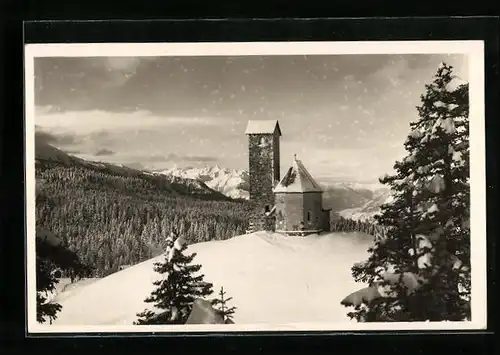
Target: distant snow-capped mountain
pixel 230 182
pixel 339 195
pixel 368 211
pixel 353 185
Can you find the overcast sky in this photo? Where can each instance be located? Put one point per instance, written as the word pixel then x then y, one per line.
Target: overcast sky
pixel 345 116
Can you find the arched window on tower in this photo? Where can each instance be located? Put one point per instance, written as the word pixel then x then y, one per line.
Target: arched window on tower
pixel 309 216
pixel 263 142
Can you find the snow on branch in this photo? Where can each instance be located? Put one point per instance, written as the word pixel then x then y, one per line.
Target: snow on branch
pixel 447 125
pixel 437 184
pixel 364 296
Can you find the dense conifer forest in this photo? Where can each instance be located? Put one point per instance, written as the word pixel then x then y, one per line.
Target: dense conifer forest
pixel 347 225
pixel 111 220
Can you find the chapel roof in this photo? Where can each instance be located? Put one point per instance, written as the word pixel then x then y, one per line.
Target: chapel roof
pixel 262 127
pixel 297 179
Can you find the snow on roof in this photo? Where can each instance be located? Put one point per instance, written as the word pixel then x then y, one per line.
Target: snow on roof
pixel 297 179
pixel 263 127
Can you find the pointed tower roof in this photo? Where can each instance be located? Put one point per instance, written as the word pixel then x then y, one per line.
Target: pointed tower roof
pixel 263 127
pixel 297 179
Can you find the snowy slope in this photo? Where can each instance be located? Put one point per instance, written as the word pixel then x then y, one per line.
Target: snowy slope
pixel 64 288
pixel 272 279
pixel 230 182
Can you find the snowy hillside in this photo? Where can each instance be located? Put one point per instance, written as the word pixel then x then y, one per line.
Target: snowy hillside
pixel 272 279
pixel 65 288
pixel 370 208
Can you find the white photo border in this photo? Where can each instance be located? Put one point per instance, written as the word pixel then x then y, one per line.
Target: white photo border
pixel 475 59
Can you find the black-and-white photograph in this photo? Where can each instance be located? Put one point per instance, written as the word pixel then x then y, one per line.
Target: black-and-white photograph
pixel 284 186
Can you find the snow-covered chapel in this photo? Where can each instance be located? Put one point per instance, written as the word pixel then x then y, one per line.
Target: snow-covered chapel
pixel 290 205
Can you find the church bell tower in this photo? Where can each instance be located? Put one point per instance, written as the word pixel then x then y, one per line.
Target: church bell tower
pixel 264 166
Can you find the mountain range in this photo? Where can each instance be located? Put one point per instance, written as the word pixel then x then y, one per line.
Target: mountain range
pixel 354 199
pixel 176 185
pixel 368 211
pixel 230 182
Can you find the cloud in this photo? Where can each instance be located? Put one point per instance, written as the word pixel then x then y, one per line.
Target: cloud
pixel 104 152
pixel 116 71
pixel 63 139
pixel 127 64
pixel 171 157
pixel 201 159
pixel 390 74
pixel 86 122
pixel 347 163
pixel 146 161
pixel 135 165
pixel 139 137
pixel 151 158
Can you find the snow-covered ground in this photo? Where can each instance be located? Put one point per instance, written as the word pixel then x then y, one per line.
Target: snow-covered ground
pixel 272 279
pixel 65 288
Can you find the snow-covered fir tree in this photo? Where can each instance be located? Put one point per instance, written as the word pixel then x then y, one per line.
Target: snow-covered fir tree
pixel 181 285
pixel 221 304
pixel 420 271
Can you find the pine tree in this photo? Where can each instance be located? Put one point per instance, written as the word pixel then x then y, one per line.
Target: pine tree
pixel 45 285
pixel 221 305
pixel 50 256
pixel 421 268
pixel 174 294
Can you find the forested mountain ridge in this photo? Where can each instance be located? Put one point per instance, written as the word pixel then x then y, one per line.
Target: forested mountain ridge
pixel 47 155
pixel 113 216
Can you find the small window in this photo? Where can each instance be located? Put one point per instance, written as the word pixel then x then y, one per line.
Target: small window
pixel 263 142
pixel 309 216
pixel 267 208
